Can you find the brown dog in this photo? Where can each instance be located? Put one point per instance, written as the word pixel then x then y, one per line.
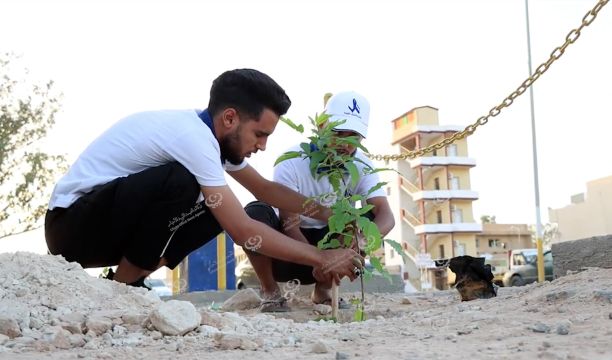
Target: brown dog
pixel 474 278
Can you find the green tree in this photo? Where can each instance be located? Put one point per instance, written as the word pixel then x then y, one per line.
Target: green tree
pixel 487 219
pixel 550 234
pixel 27 173
pixel 348 226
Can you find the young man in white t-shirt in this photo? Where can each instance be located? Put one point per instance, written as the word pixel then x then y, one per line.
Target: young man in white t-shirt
pixel 131 198
pixel 295 174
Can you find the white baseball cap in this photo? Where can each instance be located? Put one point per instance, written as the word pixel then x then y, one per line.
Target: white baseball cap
pixel 352 107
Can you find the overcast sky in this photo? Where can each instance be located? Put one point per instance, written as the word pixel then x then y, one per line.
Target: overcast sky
pixel 113 58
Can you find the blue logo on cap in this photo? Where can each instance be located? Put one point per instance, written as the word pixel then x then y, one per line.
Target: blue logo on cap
pixel 355 107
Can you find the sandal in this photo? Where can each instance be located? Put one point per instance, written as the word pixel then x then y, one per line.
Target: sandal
pixel 278 304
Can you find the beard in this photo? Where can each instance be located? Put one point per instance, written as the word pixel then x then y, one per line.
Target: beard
pixel 230 148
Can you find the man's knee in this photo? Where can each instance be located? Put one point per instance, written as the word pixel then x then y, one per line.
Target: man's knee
pixel 263 213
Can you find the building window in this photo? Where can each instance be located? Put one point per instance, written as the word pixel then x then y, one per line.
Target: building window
pixel 494 243
pixel 388 190
pixel 441 251
pixel 391 254
pixel 477 243
pixel 439 214
pixel 437 183
pixel 434 152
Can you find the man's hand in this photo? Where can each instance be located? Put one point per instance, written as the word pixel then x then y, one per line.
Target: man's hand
pixel 338 263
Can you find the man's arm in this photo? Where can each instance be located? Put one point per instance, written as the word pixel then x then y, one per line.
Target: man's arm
pixel 290 223
pixel 383 217
pixel 278 195
pixel 258 237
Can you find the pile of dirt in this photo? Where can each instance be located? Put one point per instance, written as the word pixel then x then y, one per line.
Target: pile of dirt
pixel 53 309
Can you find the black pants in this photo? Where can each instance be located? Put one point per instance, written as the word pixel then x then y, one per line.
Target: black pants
pixel 142 217
pixel 284 271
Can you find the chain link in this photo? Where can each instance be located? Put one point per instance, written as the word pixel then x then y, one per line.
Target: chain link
pixel 571 38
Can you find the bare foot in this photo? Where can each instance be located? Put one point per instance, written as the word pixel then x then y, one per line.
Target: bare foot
pixel 321 294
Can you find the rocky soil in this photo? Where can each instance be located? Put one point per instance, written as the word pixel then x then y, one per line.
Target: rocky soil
pixel 52 309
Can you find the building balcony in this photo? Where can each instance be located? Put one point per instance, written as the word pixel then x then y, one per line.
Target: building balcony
pixel 442 161
pixel 435 195
pixel 438 195
pixel 422 228
pixel 404 132
pixel 448 228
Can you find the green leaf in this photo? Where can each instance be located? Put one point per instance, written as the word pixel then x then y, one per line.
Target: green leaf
pixel 373 170
pixel 371 233
pixel 359 314
pixel 322 119
pixel 299 128
pixel 376 187
pixel 398 248
pixel 365 209
pixel 353 172
pixel 286 156
pixel 378 266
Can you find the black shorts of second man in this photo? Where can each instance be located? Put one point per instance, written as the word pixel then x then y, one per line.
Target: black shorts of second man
pixel 284 271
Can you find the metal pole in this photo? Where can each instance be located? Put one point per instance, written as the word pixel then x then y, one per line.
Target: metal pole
pixel 535 159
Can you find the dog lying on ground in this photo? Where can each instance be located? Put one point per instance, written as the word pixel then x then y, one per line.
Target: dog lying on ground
pixel 474 278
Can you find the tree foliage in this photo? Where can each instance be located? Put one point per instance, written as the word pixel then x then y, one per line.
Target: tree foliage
pixel 487 219
pixel 348 226
pixel 27 173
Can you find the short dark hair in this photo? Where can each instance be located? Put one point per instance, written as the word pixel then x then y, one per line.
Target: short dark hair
pixel 249 92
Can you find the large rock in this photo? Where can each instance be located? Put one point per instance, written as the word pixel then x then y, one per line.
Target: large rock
pixel 175 317
pixel 242 300
pixel 9 327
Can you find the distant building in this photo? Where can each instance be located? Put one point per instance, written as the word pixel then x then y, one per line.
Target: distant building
pixel 431 198
pixel 496 240
pixel 588 215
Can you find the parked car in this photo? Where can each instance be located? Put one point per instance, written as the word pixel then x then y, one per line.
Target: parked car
pixel 523 267
pixel 159 286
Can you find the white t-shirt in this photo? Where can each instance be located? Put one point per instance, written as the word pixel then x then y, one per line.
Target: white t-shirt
pixel 142 141
pixel 295 174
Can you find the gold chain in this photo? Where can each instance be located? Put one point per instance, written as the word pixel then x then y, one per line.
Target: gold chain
pixel 571 37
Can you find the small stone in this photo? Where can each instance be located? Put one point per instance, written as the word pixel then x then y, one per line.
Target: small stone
pixel 99 325
pixel 610 316
pixel 156 335
pixel 540 328
pixel 231 341
pixel 341 356
pixel 319 347
pixel 406 301
pixel 322 309
pixel 562 329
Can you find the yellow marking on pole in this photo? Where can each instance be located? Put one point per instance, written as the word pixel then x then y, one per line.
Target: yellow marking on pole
pixel 176 281
pixel 540 260
pixel 221 262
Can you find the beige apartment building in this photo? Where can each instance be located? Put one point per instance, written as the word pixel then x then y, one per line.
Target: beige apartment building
pixel 496 241
pixel 588 214
pixel 431 198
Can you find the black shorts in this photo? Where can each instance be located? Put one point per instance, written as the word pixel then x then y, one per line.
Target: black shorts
pixel 142 217
pixel 284 271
